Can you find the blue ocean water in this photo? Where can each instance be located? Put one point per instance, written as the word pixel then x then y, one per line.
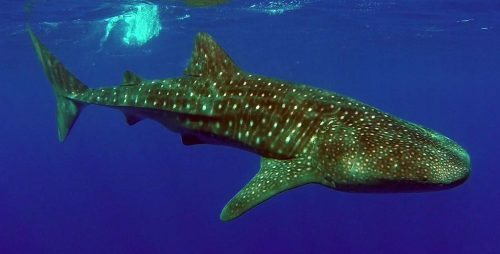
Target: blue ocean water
pixel 111 188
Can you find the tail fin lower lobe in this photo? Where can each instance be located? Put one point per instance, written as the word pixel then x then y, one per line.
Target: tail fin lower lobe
pixel 64 85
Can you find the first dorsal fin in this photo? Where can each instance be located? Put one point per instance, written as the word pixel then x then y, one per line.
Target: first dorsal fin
pixel 131 79
pixel 210 60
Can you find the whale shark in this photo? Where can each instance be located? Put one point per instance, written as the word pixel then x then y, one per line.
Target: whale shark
pixel 302 134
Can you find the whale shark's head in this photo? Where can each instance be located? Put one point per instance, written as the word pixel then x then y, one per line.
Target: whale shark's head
pixel 391 155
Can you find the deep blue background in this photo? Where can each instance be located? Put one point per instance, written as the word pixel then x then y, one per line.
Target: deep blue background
pixel 111 188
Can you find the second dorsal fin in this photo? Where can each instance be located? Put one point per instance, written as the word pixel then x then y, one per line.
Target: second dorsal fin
pixel 209 60
pixel 131 79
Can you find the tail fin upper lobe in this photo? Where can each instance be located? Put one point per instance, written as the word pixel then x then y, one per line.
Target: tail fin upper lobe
pixel 64 85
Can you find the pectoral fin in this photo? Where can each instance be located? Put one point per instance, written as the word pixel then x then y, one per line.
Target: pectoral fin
pixel 275 176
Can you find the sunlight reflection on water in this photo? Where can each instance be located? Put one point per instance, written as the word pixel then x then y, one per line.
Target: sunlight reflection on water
pixel 140 25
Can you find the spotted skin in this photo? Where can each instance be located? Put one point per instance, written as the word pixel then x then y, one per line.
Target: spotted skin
pixel 303 134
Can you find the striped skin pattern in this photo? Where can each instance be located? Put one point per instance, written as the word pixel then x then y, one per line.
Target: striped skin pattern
pixel 303 134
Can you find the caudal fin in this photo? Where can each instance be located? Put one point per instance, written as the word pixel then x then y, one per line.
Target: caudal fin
pixel 64 84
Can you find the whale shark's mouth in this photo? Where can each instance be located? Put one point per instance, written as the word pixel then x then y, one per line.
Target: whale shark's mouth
pixel 402 186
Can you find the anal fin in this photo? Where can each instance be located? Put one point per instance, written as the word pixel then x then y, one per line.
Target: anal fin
pixel 274 177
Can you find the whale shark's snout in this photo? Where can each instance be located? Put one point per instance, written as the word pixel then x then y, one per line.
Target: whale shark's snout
pixel 450 163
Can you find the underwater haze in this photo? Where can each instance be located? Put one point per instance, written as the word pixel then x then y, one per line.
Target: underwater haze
pixel 114 188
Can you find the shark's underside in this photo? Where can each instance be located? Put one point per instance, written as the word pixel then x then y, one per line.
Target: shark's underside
pixel 303 134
